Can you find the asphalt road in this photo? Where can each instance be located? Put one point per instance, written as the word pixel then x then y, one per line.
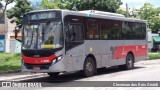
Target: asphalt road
pixel 144 71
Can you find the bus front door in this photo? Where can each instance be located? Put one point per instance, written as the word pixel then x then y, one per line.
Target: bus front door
pixel 74 46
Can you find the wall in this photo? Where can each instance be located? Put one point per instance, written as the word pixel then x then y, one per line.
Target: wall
pixel 2 32
pixel 150 40
pixel 6 32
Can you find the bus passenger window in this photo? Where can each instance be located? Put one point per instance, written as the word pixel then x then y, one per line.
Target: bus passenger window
pixel 104 29
pixel 127 30
pixel 143 31
pixel 92 29
pixel 115 29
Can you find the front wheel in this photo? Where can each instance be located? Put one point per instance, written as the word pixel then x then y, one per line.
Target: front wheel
pixel 89 67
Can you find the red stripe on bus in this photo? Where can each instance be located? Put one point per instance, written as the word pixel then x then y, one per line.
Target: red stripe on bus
pixel 137 50
pixel 39 60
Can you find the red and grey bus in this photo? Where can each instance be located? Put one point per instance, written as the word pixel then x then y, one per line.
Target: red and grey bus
pixel 59 41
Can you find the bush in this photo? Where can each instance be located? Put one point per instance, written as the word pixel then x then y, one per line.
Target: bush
pixel 154 56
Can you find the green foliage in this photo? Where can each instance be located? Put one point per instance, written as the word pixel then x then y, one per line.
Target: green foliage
pixel 153 56
pixel 151 14
pixel 55 4
pixel 17 12
pixel 121 11
pixel 9 62
pixel 147 11
pixel 102 5
pixel 1 6
pixel 7 2
pixel 154 23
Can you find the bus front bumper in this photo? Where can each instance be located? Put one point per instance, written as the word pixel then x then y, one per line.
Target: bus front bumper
pixel 56 67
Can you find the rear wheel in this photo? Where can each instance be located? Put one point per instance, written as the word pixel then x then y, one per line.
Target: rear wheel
pixel 129 62
pixel 53 74
pixel 89 67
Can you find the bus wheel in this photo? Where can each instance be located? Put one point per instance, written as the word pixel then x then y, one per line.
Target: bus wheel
pixel 53 74
pixel 129 62
pixel 89 67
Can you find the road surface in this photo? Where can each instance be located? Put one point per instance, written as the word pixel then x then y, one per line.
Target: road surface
pixel 144 71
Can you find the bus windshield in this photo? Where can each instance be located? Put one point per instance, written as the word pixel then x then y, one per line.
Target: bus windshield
pixel 42 35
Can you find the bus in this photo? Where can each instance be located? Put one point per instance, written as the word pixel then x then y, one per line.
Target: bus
pixel 61 41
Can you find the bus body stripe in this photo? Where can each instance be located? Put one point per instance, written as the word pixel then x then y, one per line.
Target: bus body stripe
pixel 39 60
pixel 137 50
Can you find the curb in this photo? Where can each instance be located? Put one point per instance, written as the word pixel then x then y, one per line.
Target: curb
pixel 9 72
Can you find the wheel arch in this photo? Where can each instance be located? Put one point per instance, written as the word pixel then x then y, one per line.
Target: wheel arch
pixel 93 57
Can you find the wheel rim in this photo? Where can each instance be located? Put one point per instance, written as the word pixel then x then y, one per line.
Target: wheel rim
pixel 129 61
pixel 89 67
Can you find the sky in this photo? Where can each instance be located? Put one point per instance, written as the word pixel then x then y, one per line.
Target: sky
pixel 131 3
pixel 9 6
pixel 13 4
pixel 139 3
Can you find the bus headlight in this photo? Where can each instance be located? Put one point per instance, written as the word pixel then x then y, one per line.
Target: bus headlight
pixel 54 61
pixel 57 59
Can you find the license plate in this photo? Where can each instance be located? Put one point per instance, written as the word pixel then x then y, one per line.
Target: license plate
pixel 36 68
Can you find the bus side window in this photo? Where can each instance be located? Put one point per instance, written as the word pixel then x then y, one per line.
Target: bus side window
pixel 143 31
pixel 75 32
pixel 92 29
pixel 104 29
pixel 127 30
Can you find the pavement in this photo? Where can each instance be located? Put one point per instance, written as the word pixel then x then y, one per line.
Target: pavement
pixel 148 70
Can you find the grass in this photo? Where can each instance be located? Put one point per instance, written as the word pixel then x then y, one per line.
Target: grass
pixel 153 56
pixel 10 62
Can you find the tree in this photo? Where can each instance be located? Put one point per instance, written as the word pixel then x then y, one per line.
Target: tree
pixel 1 5
pixel 7 2
pixel 147 11
pixel 103 5
pixel 151 14
pixel 56 4
pixel 17 12
pixel 154 23
pixel 121 11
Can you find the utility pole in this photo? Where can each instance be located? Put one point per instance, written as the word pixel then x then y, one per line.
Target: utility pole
pixel 126 9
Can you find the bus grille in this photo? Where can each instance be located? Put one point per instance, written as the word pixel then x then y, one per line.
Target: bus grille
pixel 42 66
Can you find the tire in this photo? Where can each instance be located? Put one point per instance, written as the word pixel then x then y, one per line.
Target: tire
pixel 56 74
pixel 89 67
pixel 129 63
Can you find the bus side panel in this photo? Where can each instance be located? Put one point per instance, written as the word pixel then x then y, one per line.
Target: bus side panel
pixel 114 52
pixel 141 53
pixel 120 51
pixel 113 44
pixel 99 49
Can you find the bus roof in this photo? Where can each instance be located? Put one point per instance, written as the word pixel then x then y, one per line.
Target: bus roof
pixel 95 14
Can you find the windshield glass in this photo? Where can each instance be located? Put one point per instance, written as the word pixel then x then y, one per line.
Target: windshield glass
pixel 42 35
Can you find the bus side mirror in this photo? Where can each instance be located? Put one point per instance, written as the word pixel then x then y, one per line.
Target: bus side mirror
pixel 16 35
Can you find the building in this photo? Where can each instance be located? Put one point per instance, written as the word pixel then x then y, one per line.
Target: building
pixel 3 28
pixel 7 42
